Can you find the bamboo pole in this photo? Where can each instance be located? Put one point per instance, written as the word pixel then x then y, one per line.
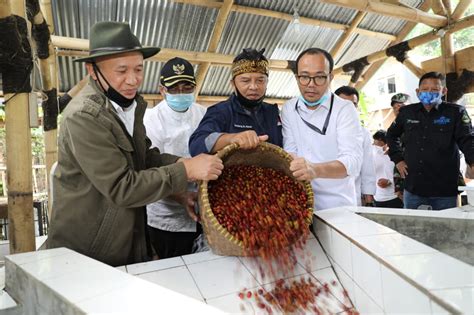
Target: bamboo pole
pixel 221 20
pixel 438 7
pixel 420 40
pixel 392 10
pixel 373 68
pixel 19 170
pixel 286 17
pixel 463 5
pixel 447 44
pixel 347 34
pixel 48 70
pixel 413 68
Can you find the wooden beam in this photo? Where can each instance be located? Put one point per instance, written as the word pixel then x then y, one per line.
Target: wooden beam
pixel 219 26
pixel 208 100
pixel 347 34
pixel 438 7
pixel 461 8
pixel 81 46
pixel 420 40
pixel 463 60
pixel 18 157
pixel 373 68
pixel 413 68
pixel 391 10
pixel 287 17
pixel 447 49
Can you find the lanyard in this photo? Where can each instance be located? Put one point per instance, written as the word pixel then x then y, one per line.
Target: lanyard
pixel 313 127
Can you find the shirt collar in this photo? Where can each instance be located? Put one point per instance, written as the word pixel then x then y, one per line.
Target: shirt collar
pixel 326 104
pixel 121 110
pixel 174 114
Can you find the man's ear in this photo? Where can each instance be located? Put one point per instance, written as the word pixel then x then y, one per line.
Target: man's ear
pixel 162 90
pixel 444 91
pixel 90 71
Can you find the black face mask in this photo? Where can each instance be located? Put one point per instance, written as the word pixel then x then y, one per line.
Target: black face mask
pixel 249 104
pixel 112 93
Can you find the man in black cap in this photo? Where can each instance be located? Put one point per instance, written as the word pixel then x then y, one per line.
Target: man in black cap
pixel 244 118
pixel 169 125
pixel 398 101
pixel 106 173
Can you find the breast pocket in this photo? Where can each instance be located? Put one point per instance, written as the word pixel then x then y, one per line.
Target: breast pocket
pixel 442 137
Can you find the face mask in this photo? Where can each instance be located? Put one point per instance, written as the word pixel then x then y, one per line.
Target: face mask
pixel 378 150
pixel 318 102
pixel 112 93
pixel 430 98
pixel 250 104
pixel 179 102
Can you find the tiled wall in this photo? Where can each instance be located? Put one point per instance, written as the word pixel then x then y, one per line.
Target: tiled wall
pixel 372 287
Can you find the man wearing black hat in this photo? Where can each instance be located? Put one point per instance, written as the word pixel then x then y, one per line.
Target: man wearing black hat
pixel 106 173
pixel 169 126
pixel 244 118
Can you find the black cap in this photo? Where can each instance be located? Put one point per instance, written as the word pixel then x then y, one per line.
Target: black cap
pixel 177 70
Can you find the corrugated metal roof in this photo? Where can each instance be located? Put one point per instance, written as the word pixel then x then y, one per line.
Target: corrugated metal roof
pixel 167 24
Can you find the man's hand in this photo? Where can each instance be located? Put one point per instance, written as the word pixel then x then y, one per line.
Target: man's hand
pixel 248 139
pixel 402 168
pixel 384 183
pixel 302 169
pixel 367 199
pixel 203 167
pixel 188 200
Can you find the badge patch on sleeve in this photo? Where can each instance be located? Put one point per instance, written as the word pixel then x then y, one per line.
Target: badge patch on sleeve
pixel 465 118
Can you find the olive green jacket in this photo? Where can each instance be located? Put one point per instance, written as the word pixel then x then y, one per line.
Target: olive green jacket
pixel 104 179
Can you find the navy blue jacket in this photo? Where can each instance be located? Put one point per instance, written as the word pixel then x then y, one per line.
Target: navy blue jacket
pixel 230 117
pixel 432 141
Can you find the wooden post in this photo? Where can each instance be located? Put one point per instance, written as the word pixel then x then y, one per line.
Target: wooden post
pixel 463 5
pixel 19 168
pixel 447 43
pixel 413 68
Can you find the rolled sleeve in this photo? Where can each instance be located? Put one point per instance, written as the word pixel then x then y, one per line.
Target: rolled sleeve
pixel 211 140
pixel 349 140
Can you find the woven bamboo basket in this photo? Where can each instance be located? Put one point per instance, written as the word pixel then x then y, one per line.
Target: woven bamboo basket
pixel 265 155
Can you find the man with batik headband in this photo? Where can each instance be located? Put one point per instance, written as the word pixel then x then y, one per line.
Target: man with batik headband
pixel 244 118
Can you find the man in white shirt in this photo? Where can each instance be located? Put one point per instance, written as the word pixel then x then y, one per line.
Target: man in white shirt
pixel 365 181
pixel 385 196
pixel 169 126
pixel 323 130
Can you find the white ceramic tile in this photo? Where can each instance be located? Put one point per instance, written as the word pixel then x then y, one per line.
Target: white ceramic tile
pixel 312 257
pixel 461 298
pixel 200 257
pixel 122 268
pixel 366 274
pixel 221 276
pixel 361 227
pixel 255 266
pixel 327 303
pixel 437 309
pixel 143 297
pixel 24 258
pixel 323 233
pixel 327 275
pixel 337 215
pixel 88 282
pixel 392 244
pixel 177 279
pixel 154 265
pixel 6 301
pixel 396 289
pixel 346 281
pixel 56 266
pixel 4 250
pixel 434 270
pixel 232 304
pixel 39 240
pixel 341 251
pixel 364 304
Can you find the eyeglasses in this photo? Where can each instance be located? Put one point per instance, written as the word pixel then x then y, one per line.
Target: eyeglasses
pixel 183 89
pixel 317 79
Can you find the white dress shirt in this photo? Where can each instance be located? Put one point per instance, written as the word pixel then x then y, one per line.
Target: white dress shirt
pixel 383 169
pixel 169 131
pixel 365 181
pixel 126 115
pixel 342 142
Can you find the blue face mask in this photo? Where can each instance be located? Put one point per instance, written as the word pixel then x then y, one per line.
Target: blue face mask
pixel 179 102
pixel 430 98
pixel 318 102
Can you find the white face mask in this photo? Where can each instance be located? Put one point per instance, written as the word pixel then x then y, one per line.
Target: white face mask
pixel 378 150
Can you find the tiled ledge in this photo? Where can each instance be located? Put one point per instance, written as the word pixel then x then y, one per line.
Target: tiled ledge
pixel 390 272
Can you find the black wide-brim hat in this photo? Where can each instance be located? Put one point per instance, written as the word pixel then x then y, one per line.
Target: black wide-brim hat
pixel 111 38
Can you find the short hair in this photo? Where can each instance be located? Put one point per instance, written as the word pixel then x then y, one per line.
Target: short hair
pixel 431 75
pixel 347 90
pixel 380 135
pixel 315 51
